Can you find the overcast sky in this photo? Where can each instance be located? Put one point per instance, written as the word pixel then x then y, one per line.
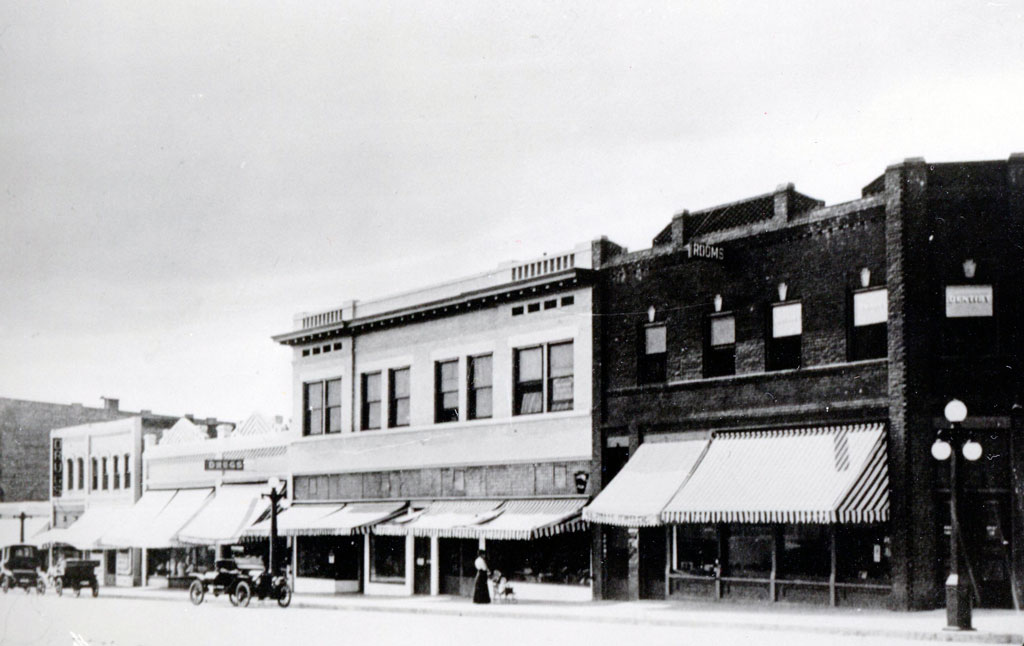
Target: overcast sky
pixel 177 180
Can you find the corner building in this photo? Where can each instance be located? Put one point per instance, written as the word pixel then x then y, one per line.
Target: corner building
pixel 772 375
pixel 436 422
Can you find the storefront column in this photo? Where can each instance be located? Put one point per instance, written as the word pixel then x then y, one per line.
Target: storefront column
pixel 410 564
pixel 295 559
pixel 633 550
pixel 145 566
pixel 366 561
pixel 435 567
pixel 832 600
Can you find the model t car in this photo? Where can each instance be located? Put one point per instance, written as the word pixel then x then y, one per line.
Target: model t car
pixel 77 574
pixel 263 585
pixel 19 566
pixel 222 579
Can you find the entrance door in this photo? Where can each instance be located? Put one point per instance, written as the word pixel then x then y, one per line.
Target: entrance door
pixel 988 537
pixel 110 571
pixel 616 563
pixel 421 570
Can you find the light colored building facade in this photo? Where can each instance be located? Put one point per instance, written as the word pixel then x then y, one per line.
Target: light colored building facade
pixel 442 420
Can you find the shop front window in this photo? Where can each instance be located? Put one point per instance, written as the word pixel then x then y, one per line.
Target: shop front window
pixel 806 553
pixel 750 551
pixel 329 557
pixel 864 554
pixel 695 549
pixel 387 562
pixel 564 559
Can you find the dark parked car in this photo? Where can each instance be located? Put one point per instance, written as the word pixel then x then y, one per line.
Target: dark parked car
pixel 19 566
pixel 261 584
pixel 77 574
pixel 221 579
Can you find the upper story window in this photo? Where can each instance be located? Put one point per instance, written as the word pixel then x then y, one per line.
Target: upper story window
pixel 81 473
pixel 127 472
pixel 398 397
pixel 71 474
pixel 117 472
pixel 720 345
pixel 106 476
pixel 533 376
pixel 785 330
pixel 371 401
pixel 652 357
pixel 480 379
pixel 869 325
pixel 95 475
pixel 321 404
pixel 446 391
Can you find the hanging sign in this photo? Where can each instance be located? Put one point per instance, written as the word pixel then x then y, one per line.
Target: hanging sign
pixel 58 468
pixel 966 301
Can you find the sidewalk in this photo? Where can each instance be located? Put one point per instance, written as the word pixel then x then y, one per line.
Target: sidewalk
pixel 992 626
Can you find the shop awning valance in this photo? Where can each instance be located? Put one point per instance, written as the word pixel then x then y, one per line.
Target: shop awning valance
pixel 443 518
pixel 529 519
pixel 10 529
pixel 162 530
pixel 327 520
pixel 136 519
pixel 639 492
pixel 833 474
pixel 222 520
pixel 86 532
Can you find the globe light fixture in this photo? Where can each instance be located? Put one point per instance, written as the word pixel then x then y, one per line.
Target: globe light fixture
pixel 941 450
pixel 972 450
pixel 955 411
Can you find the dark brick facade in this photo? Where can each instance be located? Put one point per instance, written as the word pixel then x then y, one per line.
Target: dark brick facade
pixel 912 230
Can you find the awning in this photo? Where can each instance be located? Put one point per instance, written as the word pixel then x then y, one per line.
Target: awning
pixel 163 529
pixel 443 518
pixel 529 519
pixel 49 537
pixel 834 474
pixel 639 492
pixel 137 519
pixel 10 529
pixel 327 520
pixel 86 532
pixel 222 520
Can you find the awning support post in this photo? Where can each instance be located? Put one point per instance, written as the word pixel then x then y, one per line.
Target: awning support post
pixel 723 559
pixel 832 599
pixel 773 592
pixel 669 558
pixel 295 559
pixel 435 567
pixel 145 566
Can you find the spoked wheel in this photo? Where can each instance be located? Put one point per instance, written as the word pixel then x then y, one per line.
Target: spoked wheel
pixel 58 585
pixel 5 585
pixel 284 596
pixel 241 595
pixel 40 586
pixel 196 593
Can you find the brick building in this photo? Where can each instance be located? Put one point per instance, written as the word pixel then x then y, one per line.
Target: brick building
pixel 437 421
pixel 25 436
pixel 772 373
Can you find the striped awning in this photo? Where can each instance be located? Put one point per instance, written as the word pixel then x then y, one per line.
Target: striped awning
pixel 163 530
pixel 327 520
pixel 530 519
pixel 639 492
pixel 443 518
pixel 833 474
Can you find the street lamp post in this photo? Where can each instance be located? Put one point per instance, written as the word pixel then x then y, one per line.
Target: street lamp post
pixel 22 516
pixel 276 494
pixel 958 593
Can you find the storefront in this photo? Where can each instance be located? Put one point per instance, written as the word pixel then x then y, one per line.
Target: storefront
pixel 539 546
pixel 774 515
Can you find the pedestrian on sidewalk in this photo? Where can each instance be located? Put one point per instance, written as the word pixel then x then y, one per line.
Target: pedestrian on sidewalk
pixel 481 593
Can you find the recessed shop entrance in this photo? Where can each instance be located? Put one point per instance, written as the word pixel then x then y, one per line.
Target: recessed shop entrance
pixel 456 565
pixel 987 547
pixel 421 565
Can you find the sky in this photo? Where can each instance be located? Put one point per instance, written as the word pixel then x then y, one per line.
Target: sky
pixel 178 180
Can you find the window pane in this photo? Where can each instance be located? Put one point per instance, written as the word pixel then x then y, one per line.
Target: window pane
pixel 529 402
pixel 655 339
pixel 315 422
pixel 480 369
pixel 560 359
pixel 402 412
pixel 786 320
pixel 450 400
pixel 388 560
pixel 334 392
pixel 870 307
pixel 530 366
pixel 371 387
pixel 373 415
pixel 806 552
pixel 561 393
pixel 482 402
pixel 449 375
pixel 314 395
pixel 750 551
pixel 723 330
pixel 334 419
pixel 400 382
pixel 696 549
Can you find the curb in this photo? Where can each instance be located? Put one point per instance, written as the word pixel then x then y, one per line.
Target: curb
pixel 976 637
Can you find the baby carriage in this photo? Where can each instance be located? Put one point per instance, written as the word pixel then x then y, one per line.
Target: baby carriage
pixel 503 590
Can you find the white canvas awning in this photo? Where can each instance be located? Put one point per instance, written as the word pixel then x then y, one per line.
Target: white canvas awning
pixel 530 519
pixel 223 519
pixel 86 532
pixel 162 530
pixel 444 518
pixel 137 519
pixel 639 492
pixel 327 520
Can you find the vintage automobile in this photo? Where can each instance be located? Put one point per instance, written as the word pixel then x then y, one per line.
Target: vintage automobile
pixel 77 574
pixel 264 586
pixel 221 579
pixel 19 566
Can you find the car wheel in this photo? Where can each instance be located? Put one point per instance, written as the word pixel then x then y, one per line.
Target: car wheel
pixel 284 596
pixel 40 586
pixel 58 585
pixel 242 594
pixel 95 589
pixel 196 593
pixel 78 591
pixel 5 585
